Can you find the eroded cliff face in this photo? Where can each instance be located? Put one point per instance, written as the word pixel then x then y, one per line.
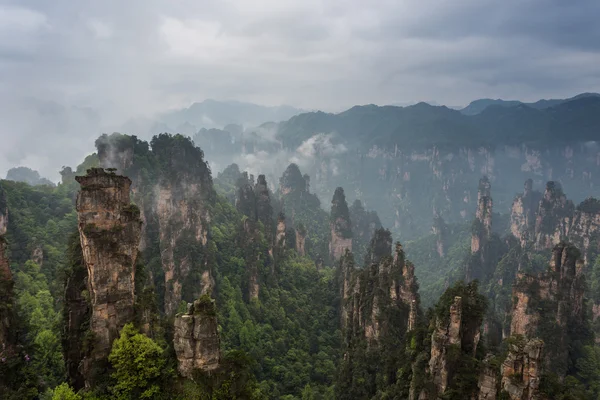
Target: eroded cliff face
pixel 488 380
pixel 110 229
pixel 482 226
pixel 455 338
pixel 196 338
pixel 341 226
pixel 386 285
pixel 561 291
pixel 553 217
pixel 183 234
pixel 548 305
pixel 264 209
pixel 522 369
pixel 441 231
pixel 523 214
pixel 301 240
pixel 544 221
pixel 280 235
pixel 450 337
pixel 173 187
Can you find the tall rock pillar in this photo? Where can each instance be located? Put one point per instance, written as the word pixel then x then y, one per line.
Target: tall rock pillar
pixel 341 226
pixel 110 231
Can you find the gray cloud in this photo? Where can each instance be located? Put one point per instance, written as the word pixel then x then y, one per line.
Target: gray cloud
pixel 135 58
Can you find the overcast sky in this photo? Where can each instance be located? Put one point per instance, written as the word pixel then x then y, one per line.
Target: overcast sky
pixel 136 57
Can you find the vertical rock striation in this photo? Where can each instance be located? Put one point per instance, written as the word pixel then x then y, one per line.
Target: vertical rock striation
pixel 459 315
pixel 110 230
pixel 196 338
pixel 523 214
pixel 482 226
pixel 553 217
pixel 301 240
pixel 549 305
pixel 341 226
pixel 521 370
pixel 440 230
pixel 387 285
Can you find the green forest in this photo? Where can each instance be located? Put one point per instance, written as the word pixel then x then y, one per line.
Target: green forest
pixel 227 286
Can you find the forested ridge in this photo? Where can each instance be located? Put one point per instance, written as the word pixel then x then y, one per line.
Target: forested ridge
pixel 144 274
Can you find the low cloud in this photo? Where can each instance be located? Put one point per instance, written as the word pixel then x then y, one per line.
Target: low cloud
pixel 137 58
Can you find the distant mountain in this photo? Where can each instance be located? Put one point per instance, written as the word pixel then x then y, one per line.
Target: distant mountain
pixel 27 175
pixel 423 125
pixel 217 114
pixel 478 106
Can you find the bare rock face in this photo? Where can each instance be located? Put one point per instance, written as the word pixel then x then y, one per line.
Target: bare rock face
pixel 37 256
pixel 110 230
pixel 482 227
pixel 182 218
pixel 553 217
pixel 249 241
pixel 440 230
pixel 547 220
pixel 301 240
pixel 280 235
pixel 264 209
pixel 346 269
pixel 444 335
pixel 521 370
pixel 173 187
pixel 560 291
pixel 455 334
pixel 196 338
pixel 523 214
pixel 584 230
pixel 387 282
pixel 341 226
pixel 487 380
pixel 561 287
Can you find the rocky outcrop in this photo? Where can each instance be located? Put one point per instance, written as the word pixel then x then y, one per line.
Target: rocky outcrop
pixel 553 217
pixel 561 289
pixel 249 240
pixel 345 272
pixel 456 335
pixel 488 380
pixel 364 223
pixel 183 230
pixel 173 186
pixel 521 370
pixel 280 235
pixel 301 240
pixel 292 181
pixel 37 255
pixel 196 338
pixel 584 230
pixel 264 209
pixel 523 214
pixel 109 229
pixel 482 226
pixel 553 301
pixel 441 231
pixel 445 335
pixel 387 283
pixel 341 226
pixel 545 221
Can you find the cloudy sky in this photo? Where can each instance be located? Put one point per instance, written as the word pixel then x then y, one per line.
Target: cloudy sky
pixel 101 62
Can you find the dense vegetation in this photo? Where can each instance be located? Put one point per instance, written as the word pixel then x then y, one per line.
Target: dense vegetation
pixel 278 312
